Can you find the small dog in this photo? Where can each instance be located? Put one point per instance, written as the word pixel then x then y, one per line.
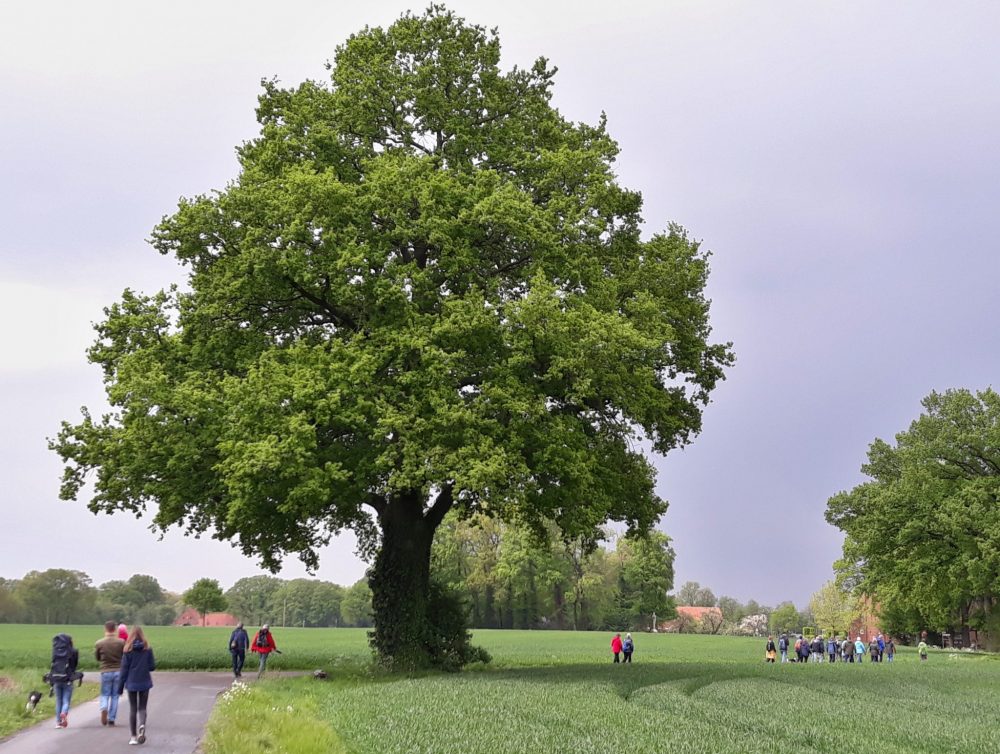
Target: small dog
pixel 33 699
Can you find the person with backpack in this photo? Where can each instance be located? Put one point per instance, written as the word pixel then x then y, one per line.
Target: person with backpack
pixel 890 650
pixel 628 647
pixel 803 650
pixel 62 673
pixel 135 677
pixel 108 653
pixel 263 644
pixel 831 648
pixel 239 642
pixel 783 647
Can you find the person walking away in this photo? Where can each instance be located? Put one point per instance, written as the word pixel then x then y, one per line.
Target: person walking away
pixel 890 650
pixel 803 650
pixel 859 649
pixel 783 647
pixel 816 648
pixel 881 646
pixel 628 647
pixel 873 650
pixel 848 650
pixel 922 650
pixel 108 653
pixel 62 673
pixel 831 648
pixel 135 677
pixel 239 642
pixel 263 644
pixel 770 653
pixel 123 632
pixel 616 647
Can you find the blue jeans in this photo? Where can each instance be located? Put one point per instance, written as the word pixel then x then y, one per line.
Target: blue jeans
pixel 63 693
pixel 109 693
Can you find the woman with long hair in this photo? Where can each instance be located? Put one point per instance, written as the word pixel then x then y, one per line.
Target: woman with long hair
pixel 137 665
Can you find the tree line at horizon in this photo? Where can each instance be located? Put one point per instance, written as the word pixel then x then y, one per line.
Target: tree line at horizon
pixel 64 596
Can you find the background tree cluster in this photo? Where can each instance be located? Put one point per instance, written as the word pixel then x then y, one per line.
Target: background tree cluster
pixel 59 595
pixel 64 596
pixel 748 618
pixel 923 533
pixel 507 577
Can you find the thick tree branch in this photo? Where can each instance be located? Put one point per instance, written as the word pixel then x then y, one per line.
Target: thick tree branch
pixel 442 504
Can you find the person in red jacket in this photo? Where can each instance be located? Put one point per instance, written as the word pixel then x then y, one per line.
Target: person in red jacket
pixel 263 644
pixel 616 646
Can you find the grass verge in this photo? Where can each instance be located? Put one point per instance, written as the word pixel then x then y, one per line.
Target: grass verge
pixel 15 685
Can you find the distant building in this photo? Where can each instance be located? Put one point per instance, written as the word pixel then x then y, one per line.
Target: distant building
pixel 690 615
pixel 191 617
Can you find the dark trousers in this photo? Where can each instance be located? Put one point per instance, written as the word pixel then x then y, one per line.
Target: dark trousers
pixel 627 657
pixel 137 708
pixel 238 659
pixel 617 657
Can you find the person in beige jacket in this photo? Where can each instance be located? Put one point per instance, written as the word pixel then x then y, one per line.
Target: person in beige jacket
pixel 108 652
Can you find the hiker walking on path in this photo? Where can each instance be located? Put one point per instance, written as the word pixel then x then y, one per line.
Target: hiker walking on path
pixel 62 673
pixel 137 665
pixel 616 647
pixel 239 642
pixel 263 644
pixel 108 652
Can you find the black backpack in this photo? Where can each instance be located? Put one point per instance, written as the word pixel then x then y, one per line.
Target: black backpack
pixel 61 670
pixel 262 639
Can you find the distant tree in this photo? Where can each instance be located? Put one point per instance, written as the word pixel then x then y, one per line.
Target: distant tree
pixel 56 596
pixel 310 602
pixel 834 608
pixel 731 609
pixel 646 575
pixel 11 609
pixel 153 614
pixel 123 600
pixel 356 607
pixel 688 593
pixel 711 622
pixel 923 533
pixel 786 617
pixel 704 598
pixel 253 599
pixel 686 624
pixel 205 596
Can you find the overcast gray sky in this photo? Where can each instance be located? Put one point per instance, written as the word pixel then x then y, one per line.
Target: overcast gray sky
pixel 840 159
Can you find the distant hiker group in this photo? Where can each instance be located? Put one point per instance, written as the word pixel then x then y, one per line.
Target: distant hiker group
pixel 125 662
pixel 830 649
pixel 622 650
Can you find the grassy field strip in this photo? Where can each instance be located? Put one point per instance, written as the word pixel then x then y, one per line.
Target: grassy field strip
pixel 15 685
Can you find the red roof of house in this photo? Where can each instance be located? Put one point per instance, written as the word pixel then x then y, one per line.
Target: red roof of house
pixel 191 617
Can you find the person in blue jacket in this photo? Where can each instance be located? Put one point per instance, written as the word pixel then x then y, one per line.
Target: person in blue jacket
pixel 239 643
pixel 137 665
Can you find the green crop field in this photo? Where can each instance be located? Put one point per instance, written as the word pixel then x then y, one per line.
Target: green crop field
pixel 550 691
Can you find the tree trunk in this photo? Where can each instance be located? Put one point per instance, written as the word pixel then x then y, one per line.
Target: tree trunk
pixel 399 581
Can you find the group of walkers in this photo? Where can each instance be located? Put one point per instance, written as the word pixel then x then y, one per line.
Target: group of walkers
pixel 830 649
pixel 622 650
pixel 126 663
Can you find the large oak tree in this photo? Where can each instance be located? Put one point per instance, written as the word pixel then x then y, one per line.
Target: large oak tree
pixel 923 534
pixel 424 291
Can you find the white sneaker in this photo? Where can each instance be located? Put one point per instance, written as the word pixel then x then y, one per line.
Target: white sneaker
pixel 142 734
pixel 133 741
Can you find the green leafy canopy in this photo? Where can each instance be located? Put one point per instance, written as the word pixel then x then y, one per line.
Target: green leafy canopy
pixel 424 280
